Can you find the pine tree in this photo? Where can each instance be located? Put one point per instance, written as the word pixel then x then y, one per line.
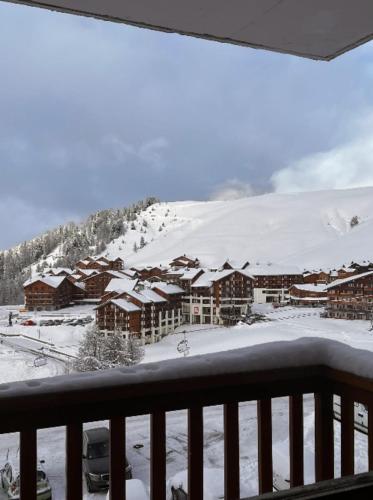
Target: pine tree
pixel 135 247
pixel 90 351
pixel 142 242
pixel 134 350
pixel 114 350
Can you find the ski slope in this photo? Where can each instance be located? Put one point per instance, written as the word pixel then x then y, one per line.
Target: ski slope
pixel 310 230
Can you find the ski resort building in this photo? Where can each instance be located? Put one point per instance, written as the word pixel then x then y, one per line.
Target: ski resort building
pixel 119 314
pixel 148 272
pixel 351 298
pixel 96 284
pixel 100 264
pixel 184 261
pixel 272 283
pixel 308 295
pixel 317 277
pixel 156 311
pixel 48 293
pixel 218 297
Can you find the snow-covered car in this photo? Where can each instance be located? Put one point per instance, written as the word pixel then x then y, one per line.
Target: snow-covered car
pixel 135 490
pixel 10 483
pixel 213 485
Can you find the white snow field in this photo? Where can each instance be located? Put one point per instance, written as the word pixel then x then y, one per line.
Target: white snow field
pixel 310 230
pixel 288 323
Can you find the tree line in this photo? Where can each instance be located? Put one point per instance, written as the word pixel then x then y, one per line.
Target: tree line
pixel 69 242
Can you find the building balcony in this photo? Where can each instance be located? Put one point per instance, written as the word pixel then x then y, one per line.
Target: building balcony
pixel 260 373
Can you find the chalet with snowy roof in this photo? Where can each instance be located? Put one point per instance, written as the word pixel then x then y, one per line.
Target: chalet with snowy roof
pixel 272 282
pixel 174 295
pixel 85 273
pixel 173 275
pixel 343 272
pixel 189 277
pixel 100 264
pixel 96 284
pixel 119 314
pixel 118 286
pixel 351 298
pixel 153 313
pixel 184 261
pixel 361 266
pixel 130 273
pixel 308 295
pixel 218 297
pixel 235 264
pixel 59 271
pixel 47 293
pixel 316 277
pixel 148 272
pixel 160 308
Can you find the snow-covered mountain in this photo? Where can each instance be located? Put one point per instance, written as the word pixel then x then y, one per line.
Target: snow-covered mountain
pixel 310 230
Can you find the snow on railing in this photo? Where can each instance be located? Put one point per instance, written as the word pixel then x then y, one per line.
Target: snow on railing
pixel 260 373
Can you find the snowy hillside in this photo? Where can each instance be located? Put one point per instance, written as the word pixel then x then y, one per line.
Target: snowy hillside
pixel 310 230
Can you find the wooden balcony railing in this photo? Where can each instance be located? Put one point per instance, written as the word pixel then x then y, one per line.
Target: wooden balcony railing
pixel 258 373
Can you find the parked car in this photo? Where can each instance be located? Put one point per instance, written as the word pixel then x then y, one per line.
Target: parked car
pixel 10 483
pixel 28 322
pixel 96 459
pixel 135 490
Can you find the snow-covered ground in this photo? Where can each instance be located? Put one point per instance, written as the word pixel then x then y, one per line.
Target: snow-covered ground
pixel 286 324
pixel 310 230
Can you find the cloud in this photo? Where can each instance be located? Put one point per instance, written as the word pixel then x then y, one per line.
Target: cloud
pixel 348 165
pixel 233 189
pixel 150 152
pixel 97 115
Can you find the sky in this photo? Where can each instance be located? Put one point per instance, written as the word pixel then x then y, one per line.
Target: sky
pixel 97 115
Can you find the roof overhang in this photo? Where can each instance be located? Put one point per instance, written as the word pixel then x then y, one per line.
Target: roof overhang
pixel 317 29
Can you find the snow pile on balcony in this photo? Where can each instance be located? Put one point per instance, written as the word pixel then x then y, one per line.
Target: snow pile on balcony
pixel 304 352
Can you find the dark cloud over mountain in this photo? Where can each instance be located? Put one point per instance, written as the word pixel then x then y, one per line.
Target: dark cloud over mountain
pixel 97 115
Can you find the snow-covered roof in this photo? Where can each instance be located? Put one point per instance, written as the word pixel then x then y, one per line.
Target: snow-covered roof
pixel 116 274
pixel 347 280
pixel 56 270
pixel 125 305
pixel 236 264
pixel 102 263
pixel 88 272
pixel 178 272
pixel 209 277
pixel 152 295
pixel 129 272
pixel 273 270
pixel 121 285
pixel 139 296
pixel 53 281
pixel 308 287
pixel 348 269
pixel 168 288
pixel 189 274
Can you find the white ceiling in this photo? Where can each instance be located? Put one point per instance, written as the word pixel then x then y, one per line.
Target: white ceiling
pixel 319 29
